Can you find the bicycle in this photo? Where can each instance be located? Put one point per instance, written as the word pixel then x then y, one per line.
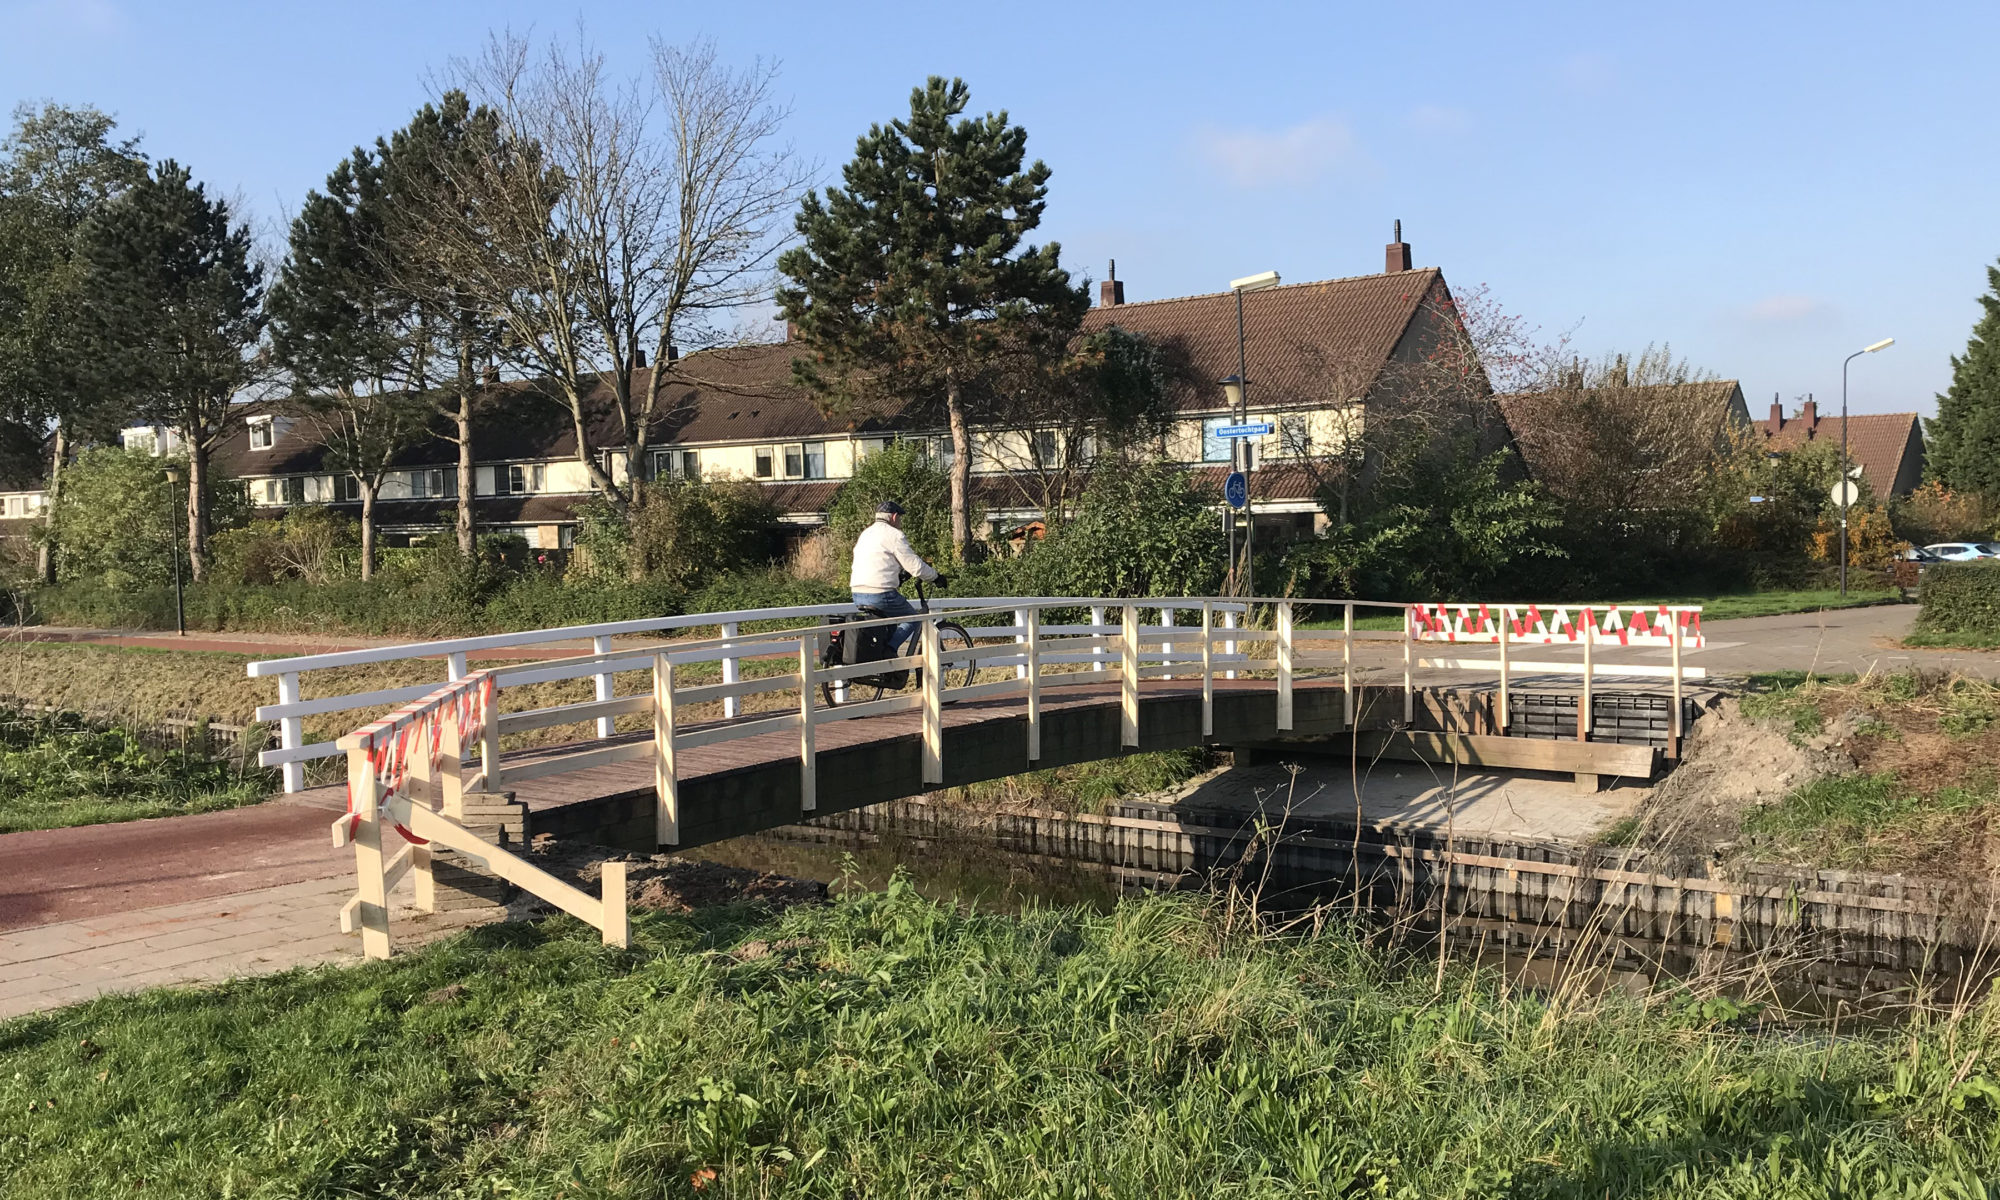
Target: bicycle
pixel 872 644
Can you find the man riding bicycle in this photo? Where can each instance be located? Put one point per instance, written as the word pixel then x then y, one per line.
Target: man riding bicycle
pixel 881 554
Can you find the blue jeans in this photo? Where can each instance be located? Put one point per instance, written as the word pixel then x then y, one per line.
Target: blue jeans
pixel 892 604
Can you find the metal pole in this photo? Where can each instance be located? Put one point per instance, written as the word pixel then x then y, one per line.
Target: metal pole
pixel 180 606
pixel 1248 579
pixel 1843 469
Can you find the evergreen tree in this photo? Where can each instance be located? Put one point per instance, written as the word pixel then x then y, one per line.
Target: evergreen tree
pixel 59 167
pixel 913 282
pixel 348 338
pixel 173 305
pixel 1964 438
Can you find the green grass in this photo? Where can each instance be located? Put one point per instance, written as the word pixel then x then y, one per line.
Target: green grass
pixel 59 771
pixel 892 1046
pixel 1948 640
pixel 1775 604
pixel 1857 820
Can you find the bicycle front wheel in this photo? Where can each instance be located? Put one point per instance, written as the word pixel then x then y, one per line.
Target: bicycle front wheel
pixel 952 636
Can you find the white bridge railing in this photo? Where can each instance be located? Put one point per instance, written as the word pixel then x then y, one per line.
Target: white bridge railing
pixel 409 770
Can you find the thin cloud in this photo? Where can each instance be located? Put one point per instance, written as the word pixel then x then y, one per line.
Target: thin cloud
pixel 1264 158
pixel 1787 308
pixel 94 18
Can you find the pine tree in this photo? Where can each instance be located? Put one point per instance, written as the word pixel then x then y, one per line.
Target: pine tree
pixel 351 341
pixel 1964 438
pixel 173 303
pixel 913 283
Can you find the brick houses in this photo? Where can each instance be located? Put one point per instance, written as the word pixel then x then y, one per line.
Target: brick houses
pixel 1888 447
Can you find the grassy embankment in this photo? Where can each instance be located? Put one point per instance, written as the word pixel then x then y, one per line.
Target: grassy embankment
pixel 1923 794
pixel 58 770
pixel 887 1045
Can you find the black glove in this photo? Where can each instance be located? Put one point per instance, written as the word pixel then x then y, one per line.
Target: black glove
pixel 940 583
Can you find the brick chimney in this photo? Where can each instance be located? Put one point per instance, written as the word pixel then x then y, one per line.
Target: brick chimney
pixel 1110 292
pixel 1777 414
pixel 1809 413
pixel 1397 257
pixel 639 358
pixel 673 352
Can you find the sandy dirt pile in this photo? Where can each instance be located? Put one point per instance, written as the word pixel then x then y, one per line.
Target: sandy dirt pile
pixel 1731 764
pixel 665 882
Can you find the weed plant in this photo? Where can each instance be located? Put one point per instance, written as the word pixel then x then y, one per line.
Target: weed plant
pixel 888 1045
pixel 59 770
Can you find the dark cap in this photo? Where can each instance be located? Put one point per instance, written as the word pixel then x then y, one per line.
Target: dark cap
pixel 889 508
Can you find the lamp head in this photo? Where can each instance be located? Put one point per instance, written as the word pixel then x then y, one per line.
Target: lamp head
pixel 1232 387
pixel 1254 283
pixel 171 474
pixel 1884 344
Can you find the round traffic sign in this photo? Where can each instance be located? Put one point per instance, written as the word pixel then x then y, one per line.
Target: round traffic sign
pixel 1846 492
pixel 1236 490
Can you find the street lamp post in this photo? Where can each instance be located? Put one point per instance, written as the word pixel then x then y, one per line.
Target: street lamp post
pixel 1236 388
pixel 173 477
pixel 1845 483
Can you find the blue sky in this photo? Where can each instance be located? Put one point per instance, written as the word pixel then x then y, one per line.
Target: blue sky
pixel 1764 186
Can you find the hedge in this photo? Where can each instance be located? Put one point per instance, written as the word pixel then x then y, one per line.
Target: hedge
pixel 1961 598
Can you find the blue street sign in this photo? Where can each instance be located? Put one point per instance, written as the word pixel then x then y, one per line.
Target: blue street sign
pixel 1239 431
pixel 1236 490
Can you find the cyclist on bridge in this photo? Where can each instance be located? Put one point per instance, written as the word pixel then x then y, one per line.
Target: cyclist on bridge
pixel 881 554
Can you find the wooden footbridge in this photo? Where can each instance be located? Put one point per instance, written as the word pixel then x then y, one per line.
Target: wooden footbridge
pixel 724 735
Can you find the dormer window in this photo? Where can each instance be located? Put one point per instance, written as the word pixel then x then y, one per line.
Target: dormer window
pixel 262 433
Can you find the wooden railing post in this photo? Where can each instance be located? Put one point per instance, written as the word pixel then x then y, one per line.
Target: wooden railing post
pixel 808 754
pixel 1674 726
pixel 933 680
pixel 291 731
pixel 1020 639
pixel 1583 702
pixel 1506 704
pixel 617 928
pixel 454 666
pixel 1097 633
pixel 489 747
pixel 1229 646
pixel 666 782
pixel 1208 668
pixel 1409 666
pixel 1284 666
pixel 1347 665
pixel 606 726
pixel 1035 684
pixel 1128 680
pixel 732 672
pixel 1167 647
pixel 371 884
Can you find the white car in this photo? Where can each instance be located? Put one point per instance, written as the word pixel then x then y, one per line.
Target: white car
pixel 1958 551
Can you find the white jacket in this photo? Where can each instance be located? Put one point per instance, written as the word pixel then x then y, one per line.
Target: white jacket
pixel 881 555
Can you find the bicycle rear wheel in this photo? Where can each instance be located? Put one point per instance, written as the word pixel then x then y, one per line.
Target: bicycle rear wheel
pixel 952 636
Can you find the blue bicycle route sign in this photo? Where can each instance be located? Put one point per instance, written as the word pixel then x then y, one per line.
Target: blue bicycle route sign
pixel 1236 490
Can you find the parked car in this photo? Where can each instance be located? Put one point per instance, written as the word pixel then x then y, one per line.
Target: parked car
pixel 1918 554
pixel 1957 551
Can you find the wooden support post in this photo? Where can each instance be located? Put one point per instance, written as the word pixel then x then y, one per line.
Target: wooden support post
pixel 1020 639
pixel 454 666
pixel 617 927
pixel 666 782
pixel 1284 666
pixel 1128 689
pixel 1208 668
pixel 291 731
pixel 933 681
pixel 1034 665
pixel 1674 724
pixel 424 784
pixel 1167 647
pixel 1097 633
pixel 732 671
pixel 489 747
pixel 808 754
pixel 1347 664
pixel 1506 706
pixel 606 726
pixel 371 886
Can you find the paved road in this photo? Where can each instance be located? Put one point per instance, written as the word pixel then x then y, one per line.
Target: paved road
pixel 58 875
pixel 1857 640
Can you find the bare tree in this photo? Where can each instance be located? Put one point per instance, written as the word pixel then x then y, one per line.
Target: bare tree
pixel 609 217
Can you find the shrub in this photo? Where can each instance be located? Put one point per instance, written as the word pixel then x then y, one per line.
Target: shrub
pixel 683 532
pixel 1961 598
pixel 902 473
pixel 117 520
pixel 1936 513
pixel 767 588
pixel 544 599
pixel 1147 530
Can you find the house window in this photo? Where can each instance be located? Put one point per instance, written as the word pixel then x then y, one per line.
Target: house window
pixel 1213 448
pixel 815 460
pixel 1295 435
pixel 346 487
pixel 433 484
pixel 566 537
pixel 1042 445
pixel 523 478
pixel 870 446
pixel 292 489
pixel 763 459
pixel 795 461
pixel 261 434
pixel 677 464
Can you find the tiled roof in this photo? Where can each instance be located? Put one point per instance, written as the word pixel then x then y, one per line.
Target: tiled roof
pixel 1888 447
pixel 1295 337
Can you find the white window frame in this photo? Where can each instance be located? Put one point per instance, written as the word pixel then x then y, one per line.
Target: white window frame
pixel 767 468
pixel 267 429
